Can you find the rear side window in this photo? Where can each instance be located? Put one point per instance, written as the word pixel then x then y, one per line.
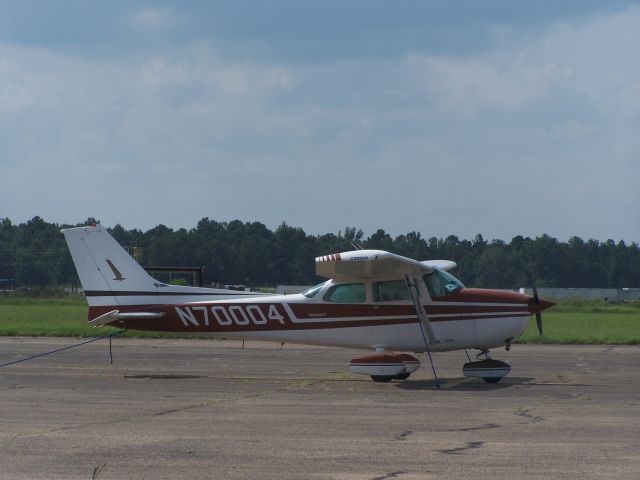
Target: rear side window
pixel 347 293
pixel 390 291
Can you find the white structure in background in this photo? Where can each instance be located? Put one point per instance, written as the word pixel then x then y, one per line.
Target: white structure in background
pixel 607 294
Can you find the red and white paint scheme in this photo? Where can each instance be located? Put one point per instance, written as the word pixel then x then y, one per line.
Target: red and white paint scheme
pixel 372 300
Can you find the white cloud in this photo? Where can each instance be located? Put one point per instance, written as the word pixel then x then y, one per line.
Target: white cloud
pixel 504 142
pixel 173 120
pixel 573 129
pixel 153 19
pixel 596 58
pixel 503 81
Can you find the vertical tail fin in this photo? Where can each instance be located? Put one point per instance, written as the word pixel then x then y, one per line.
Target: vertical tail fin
pixel 104 267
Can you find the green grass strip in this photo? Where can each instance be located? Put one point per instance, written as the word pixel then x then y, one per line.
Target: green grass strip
pixel 586 328
pixel 57 317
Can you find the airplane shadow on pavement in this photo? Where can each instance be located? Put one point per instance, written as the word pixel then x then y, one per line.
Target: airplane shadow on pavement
pixel 464 384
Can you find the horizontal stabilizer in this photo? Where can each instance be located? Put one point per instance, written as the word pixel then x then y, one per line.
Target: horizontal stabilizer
pixel 115 315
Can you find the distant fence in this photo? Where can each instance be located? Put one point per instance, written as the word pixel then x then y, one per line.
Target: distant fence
pixel 291 289
pixel 607 294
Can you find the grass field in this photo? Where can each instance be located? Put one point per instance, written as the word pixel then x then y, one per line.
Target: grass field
pixel 588 322
pixel 55 317
pixel 570 322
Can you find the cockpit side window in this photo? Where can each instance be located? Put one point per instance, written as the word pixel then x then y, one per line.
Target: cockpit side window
pixel 347 293
pixel 391 290
pixel 440 283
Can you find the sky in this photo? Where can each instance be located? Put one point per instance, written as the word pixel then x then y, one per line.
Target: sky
pixel 445 117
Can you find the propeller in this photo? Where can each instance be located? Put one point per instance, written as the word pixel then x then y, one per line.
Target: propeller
pixel 537 306
pixel 536 302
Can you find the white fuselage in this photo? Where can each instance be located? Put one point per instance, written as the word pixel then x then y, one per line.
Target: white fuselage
pixel 471 318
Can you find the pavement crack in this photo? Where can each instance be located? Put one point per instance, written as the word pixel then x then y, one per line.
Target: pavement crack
pixel 97 471
pixel 163 377
pixel 486 426
pixel 174 410
pixel 462 450
pixel 111 421
pixel 390 475
pixel 526 413
pixel 404 435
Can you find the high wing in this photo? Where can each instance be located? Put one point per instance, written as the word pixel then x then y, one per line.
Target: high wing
pixel 374 263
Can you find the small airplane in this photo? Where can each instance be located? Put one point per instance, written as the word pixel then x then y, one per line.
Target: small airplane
pixel 372 300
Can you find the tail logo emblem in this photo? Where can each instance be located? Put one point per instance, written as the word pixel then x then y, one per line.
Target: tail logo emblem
pixel 116 272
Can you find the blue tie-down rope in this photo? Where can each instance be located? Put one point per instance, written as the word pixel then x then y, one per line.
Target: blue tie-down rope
pixel 109 336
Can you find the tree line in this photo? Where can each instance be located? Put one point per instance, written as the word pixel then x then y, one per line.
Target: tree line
pixel 34 254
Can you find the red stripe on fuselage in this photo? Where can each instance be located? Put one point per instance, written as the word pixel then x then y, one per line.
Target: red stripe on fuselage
pixel 227 317
pixel 238 317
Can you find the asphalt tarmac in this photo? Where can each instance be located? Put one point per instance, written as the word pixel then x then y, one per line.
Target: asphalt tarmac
pixel 169 409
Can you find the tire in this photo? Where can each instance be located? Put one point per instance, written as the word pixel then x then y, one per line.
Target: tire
pixel 402 376
pixel 492 379
pixel 381 378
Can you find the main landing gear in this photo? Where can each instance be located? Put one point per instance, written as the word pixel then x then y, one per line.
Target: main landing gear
pixel 491 371
pixel 384 367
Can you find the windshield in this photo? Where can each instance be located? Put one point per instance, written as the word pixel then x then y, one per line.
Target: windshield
pixel 440 283
pixel 312 292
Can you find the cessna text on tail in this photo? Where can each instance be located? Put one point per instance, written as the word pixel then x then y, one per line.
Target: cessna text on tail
pixel 372 300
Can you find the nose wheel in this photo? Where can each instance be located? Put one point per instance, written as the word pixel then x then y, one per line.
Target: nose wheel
pixel 490 370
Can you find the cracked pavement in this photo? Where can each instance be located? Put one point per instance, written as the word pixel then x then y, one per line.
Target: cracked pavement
pixel 210 409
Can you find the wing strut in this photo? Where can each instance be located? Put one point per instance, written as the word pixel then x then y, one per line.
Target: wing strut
pixel 429 336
